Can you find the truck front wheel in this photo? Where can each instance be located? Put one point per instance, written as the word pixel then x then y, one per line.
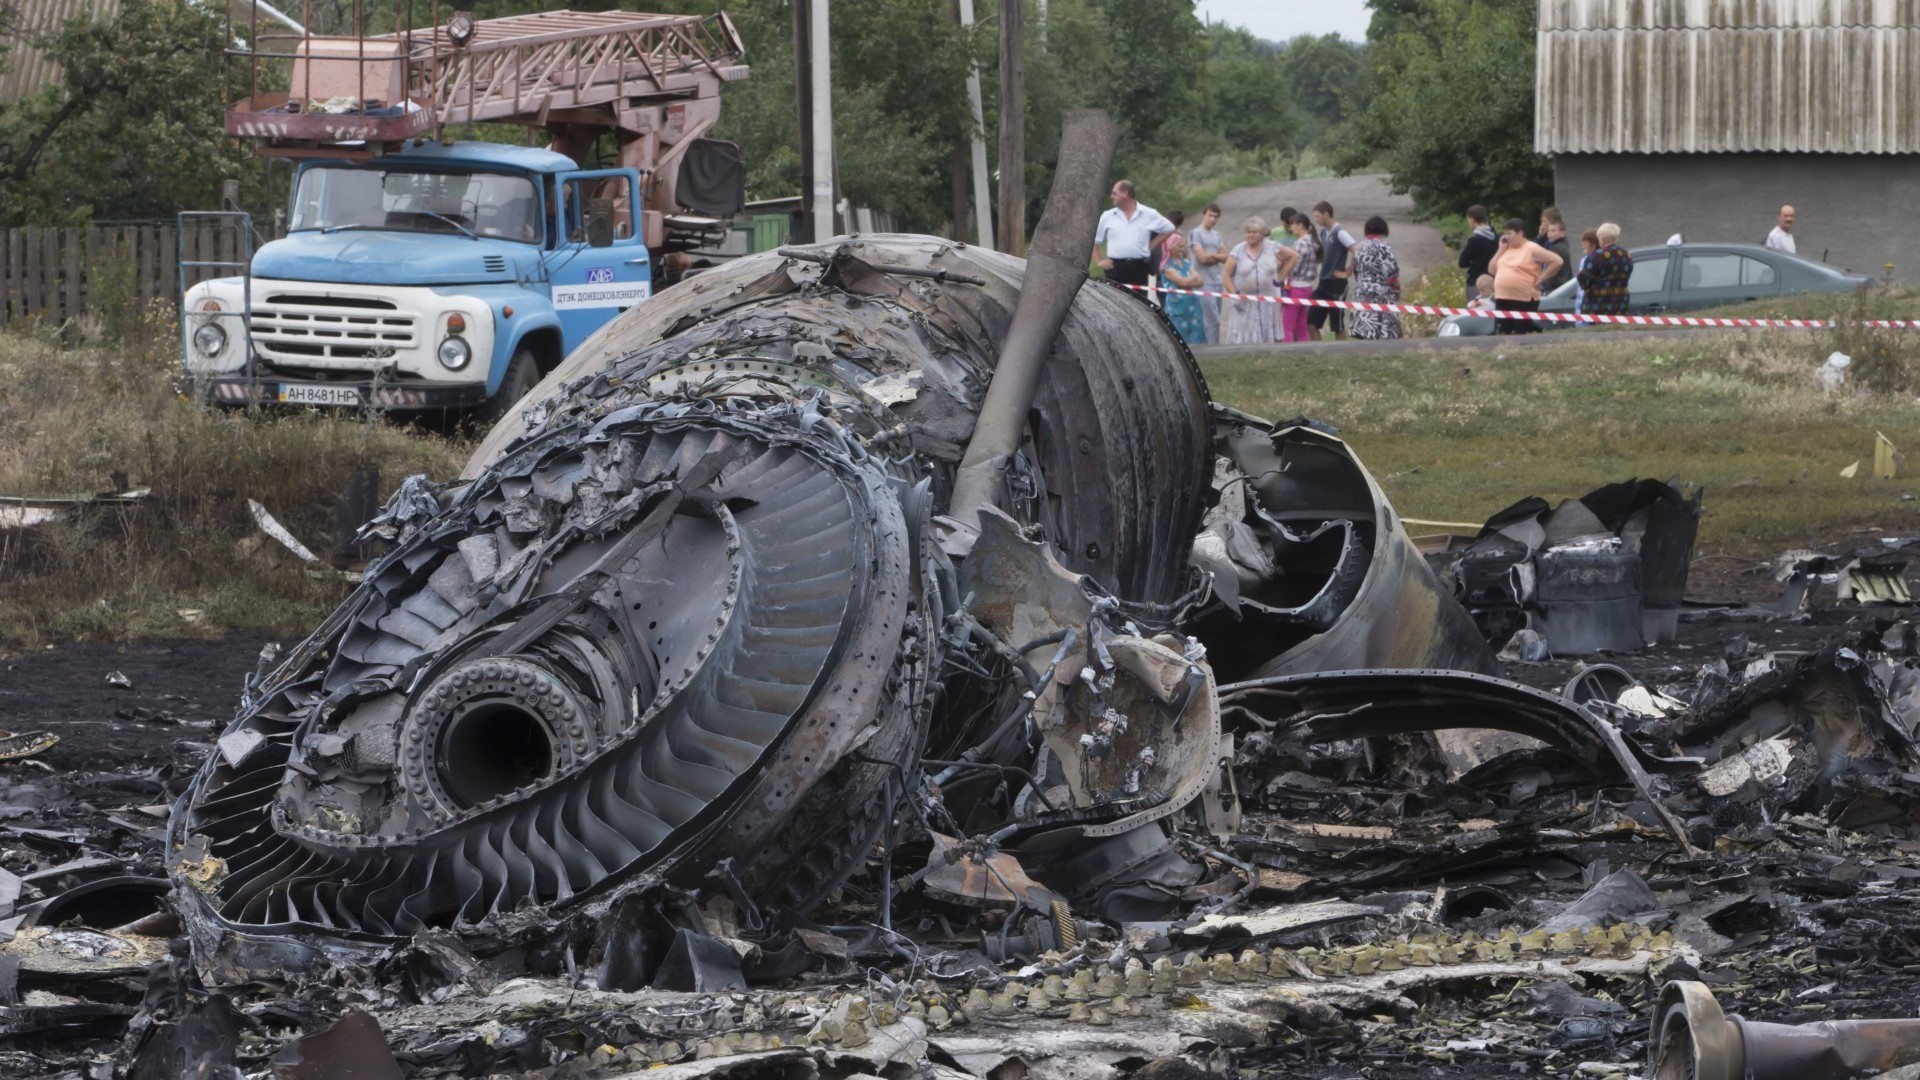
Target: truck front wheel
pixel 523 373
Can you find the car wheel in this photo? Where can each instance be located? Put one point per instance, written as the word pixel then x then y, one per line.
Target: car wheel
pixel 523 373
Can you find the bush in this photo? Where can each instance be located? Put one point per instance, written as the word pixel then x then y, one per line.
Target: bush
pixel 1885 361
pixel 1444 287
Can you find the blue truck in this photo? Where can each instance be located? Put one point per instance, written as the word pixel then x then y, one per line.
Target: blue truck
pixel 440 276
pixel 419 272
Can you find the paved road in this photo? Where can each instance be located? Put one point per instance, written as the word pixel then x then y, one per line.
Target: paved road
pixel 1354 199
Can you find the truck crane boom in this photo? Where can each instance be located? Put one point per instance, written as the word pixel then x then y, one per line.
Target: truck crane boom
pixel 650 81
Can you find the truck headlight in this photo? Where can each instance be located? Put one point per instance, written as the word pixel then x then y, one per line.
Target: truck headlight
pixel 455 353
pixel 210 339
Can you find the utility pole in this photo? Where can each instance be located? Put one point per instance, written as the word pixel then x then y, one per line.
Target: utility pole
pixel 800 230
pixel 959 166
pixel 822 193
pixel 982 207
pixel 1013 128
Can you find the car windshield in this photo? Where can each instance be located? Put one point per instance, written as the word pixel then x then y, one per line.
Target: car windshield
pixel 484 204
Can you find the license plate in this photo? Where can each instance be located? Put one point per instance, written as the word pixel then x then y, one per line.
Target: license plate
pixel 297 394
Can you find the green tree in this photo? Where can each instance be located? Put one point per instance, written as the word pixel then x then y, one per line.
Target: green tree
pixel 1323 77
pixel 1152 87
pixel 1450 104
pixel 1251 105
pixel 132 129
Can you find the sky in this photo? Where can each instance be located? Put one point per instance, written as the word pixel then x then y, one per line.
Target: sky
pixel 1278 20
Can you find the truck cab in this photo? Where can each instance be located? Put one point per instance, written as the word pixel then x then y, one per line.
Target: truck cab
pixel 443 275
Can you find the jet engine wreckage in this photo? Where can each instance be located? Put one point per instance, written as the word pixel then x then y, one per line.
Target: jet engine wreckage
pixel 896 600
pixel 719 608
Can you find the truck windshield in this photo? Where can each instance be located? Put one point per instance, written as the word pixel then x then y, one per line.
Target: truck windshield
pixel 485 204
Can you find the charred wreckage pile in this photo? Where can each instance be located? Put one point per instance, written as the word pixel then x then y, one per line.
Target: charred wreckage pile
pixel 883 658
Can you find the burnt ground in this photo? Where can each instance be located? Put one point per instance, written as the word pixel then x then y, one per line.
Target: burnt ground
pixel 1794 921
pixel 181 691
pixel 184 690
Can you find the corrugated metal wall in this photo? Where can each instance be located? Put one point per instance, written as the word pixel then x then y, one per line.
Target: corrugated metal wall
pixel 1694 76
pixel 28 69
pixel 1759 14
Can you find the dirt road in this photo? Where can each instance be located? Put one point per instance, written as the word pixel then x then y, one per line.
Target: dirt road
pixel 1354 199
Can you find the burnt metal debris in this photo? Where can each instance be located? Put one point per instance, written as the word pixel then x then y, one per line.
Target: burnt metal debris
pixel 782 695
pixel 1604 572
pixel 1691 1037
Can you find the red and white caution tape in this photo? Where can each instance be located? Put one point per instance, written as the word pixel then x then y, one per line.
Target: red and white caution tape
pixel 1538 316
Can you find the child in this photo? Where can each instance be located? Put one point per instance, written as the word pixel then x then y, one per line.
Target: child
pixel 1484 301
pixel 1589 243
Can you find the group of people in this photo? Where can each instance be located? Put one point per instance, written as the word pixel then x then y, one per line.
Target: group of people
pixel 1511 271
pixel 1255 292
pixel 1239 287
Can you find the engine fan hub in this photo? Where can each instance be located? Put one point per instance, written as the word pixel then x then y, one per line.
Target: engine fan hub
pixel 490 727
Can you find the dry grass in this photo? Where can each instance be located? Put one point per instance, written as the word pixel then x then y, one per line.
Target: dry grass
pixel 76 420
pixel 1455 435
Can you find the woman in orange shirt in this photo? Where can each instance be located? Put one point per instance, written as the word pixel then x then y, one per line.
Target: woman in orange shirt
pixel 1520 268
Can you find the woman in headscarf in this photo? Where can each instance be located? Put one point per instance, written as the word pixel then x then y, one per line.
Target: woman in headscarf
pixel 1604 277
pixel 1376 280
pixel 1252 267
pixel 1178 272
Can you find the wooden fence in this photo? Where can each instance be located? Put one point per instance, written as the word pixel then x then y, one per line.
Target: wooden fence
pixel 55 274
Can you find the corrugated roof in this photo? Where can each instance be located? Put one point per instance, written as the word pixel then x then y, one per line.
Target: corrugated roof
pixel 1702 76
pixel 28 69
pixel 1724 14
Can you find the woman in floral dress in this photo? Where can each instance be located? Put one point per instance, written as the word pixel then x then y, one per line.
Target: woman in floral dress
pixel 1376 280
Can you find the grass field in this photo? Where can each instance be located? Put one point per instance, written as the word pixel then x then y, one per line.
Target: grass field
pixel 188 559
pixel 1452 436
pixel 1455 435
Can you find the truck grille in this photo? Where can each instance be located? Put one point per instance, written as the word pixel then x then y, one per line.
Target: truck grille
pixel 289 326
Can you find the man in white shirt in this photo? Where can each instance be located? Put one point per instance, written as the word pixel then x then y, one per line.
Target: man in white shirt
pixel 1781 238
pixel 1127 237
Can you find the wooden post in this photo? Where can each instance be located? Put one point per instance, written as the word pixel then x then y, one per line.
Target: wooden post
pixel 50 266
pixel 30 241
pixel 89 293
pixel 198 250
pixel 169 258
pixel 16 266
pixel 76 275
pixel 150 285
pixel 1013 128
pixel 229 248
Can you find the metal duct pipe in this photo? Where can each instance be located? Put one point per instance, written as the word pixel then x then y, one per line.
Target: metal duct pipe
pixel 1056 268
pixel 1693 1040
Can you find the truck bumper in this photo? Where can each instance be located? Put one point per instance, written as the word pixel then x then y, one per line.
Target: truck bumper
pixel 272 390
